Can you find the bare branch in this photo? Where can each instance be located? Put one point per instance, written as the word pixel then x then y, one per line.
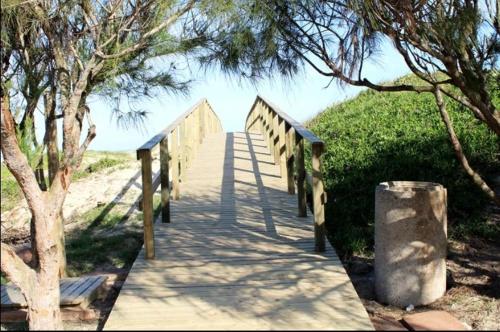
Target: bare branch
pixel 15 269
pixel 457 147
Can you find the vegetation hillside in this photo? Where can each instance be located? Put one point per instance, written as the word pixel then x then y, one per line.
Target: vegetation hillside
pixel 377 137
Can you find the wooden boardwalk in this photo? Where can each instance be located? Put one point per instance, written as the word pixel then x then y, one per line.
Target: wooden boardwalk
pixel 235 255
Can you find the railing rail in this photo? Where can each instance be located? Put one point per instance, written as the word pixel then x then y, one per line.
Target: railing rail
pixel 178 144
pixel 285 138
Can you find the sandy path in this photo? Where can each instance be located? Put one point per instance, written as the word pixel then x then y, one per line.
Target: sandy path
pixel 119 184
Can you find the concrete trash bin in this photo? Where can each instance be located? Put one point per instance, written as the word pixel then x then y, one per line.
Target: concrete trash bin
pixel 410 242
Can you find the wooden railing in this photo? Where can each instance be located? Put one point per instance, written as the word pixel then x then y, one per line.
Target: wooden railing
pixel 285 138
pixel 178 144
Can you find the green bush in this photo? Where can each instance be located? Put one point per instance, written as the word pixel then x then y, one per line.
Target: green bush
pixel 101 164
pixel 377 137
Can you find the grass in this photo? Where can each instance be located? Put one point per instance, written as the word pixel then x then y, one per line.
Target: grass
pixel 96 167
pixel 10 192
pixel 377 137
pixel 87 250
pixel 94 161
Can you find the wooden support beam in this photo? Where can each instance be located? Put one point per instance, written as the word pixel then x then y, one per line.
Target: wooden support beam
pixel 191 137
pixel 147 194
pixel 201 128
pixel 194 133
pixel 156 184
pixel 164 181
pixel 290 158
pixel 175 164
pixel 276 145
pixel 265 127
pixel 210 121
pixel 318 207
pixel 187 143
pixel 270 130
pixel 301 175
pixel 182 150
pixel 260 111
pixel 282 148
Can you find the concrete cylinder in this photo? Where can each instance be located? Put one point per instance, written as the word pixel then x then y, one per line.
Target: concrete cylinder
pixel 410 242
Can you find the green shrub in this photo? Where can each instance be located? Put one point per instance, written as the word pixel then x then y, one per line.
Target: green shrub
pixel 10 193
pixel 377 137
pixel 101 164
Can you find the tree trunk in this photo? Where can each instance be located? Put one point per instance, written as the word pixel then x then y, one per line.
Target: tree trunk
pixel 53 166
pixel 40 287
pixel 43 310
pixel 51 133
pixel 61 244
pixel 457 147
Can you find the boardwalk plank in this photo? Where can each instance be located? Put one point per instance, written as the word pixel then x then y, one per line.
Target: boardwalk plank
pixel 235 255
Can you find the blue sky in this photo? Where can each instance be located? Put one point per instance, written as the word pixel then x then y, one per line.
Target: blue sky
pixel 301 98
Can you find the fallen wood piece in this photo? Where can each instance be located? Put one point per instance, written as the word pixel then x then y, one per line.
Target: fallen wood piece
pixel 74 292
pixel 68 314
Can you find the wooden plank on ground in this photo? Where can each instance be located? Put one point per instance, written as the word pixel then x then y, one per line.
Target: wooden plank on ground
pixel 74 291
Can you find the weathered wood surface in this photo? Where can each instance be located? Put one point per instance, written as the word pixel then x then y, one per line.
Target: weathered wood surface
pixel 235 255
pixel 74 292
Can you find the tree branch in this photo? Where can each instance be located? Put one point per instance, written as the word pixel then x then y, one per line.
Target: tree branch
pixel 16 161
pixel 16 270
pixel 457 147
pixel 148 34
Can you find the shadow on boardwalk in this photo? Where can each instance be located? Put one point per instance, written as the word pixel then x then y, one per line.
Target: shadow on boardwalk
pixel 236 256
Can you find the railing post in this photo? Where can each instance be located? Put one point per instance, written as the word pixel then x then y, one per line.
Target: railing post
pixel 265 121
pixel 182 152
pixel 175 165
pixel 147 203
pixel 301 176
pixel 290 158
pixel 270 133
pixel 196 131
pixel 260 112
pixel 210 121
pixel 190 138
pixel 201 116
pixel 276 145
pixel 282 148
pixel 164 181
pixel 318 198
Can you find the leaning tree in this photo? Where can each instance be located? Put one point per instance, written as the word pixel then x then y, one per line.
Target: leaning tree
pixel 451 45
pixel 55 55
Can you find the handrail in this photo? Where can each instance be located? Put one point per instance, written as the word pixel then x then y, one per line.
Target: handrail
pixel 299 128
pixel 285 138
pixel 155 140
pixel 178 143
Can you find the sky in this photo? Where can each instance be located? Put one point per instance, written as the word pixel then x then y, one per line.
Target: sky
pixel 303 97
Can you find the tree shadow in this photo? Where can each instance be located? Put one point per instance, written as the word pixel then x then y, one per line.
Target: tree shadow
pixel 350 184
pixel 236 255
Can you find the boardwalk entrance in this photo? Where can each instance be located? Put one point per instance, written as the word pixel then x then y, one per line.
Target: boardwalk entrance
pixel 235 255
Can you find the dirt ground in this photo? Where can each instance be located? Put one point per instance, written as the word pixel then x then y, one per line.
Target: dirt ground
pixel 473 294
pixel 82 195
pixel 473 287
